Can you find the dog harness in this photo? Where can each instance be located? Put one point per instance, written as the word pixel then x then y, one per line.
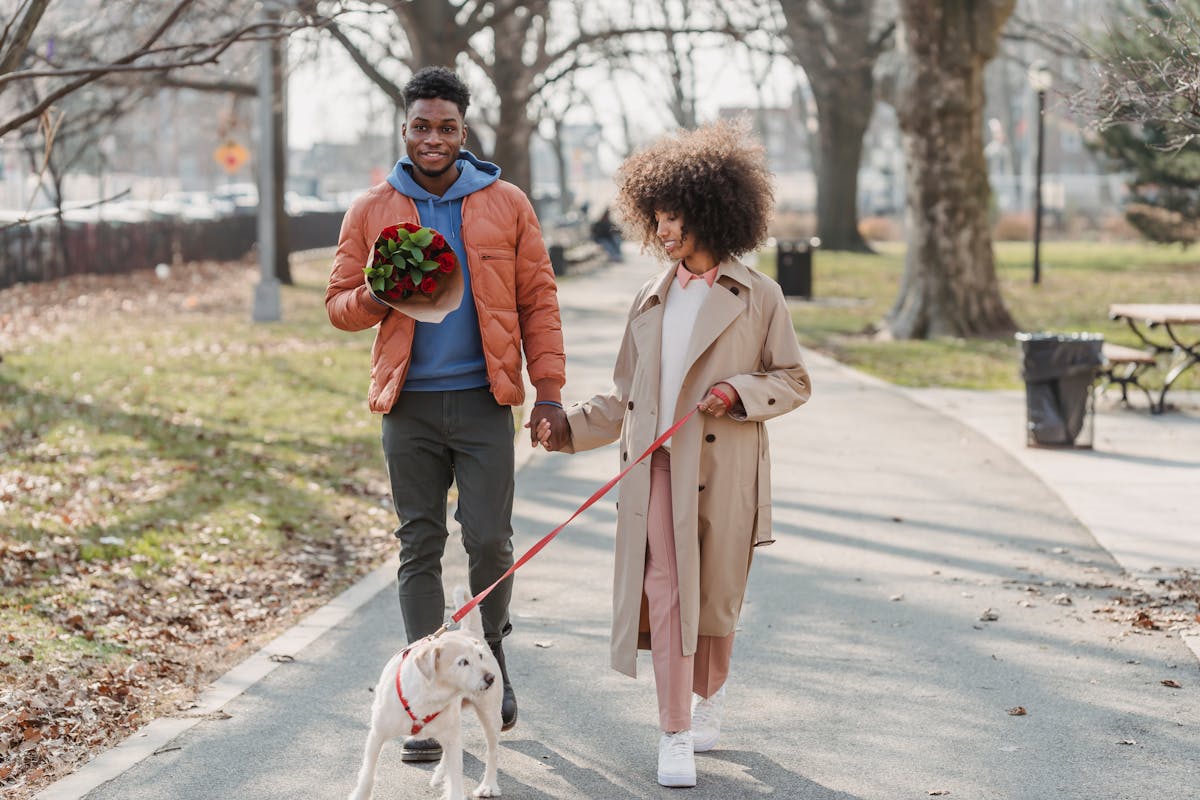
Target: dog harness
pixel 417 724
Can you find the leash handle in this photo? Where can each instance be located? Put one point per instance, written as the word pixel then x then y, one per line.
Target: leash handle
pixel 545 540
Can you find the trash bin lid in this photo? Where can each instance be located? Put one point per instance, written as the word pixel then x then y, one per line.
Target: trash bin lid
pixel 1047 356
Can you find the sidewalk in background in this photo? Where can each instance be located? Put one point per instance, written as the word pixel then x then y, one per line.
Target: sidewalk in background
pixel 1137 490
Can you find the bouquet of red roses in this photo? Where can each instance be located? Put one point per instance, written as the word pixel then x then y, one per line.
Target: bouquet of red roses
pixel 414 270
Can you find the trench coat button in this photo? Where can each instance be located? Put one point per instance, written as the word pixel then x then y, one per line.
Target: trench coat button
pixel 710 438
pixel 733 289
pixel 702 487
pixel 625 456
pixel 770 401
pixel 631 405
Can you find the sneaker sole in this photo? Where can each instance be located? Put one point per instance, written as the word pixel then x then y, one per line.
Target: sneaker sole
pixel 420 756
pixel 676 781
pixel 699 746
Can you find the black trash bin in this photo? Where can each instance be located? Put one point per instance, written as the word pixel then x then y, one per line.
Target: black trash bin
pixel 1059 371
pixel 794 268
pixel 558 259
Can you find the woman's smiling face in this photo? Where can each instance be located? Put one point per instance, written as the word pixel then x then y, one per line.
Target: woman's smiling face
pixel 678 244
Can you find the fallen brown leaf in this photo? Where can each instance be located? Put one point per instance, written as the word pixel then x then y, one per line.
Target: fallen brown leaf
pixel 1172 684
pixel 1017 711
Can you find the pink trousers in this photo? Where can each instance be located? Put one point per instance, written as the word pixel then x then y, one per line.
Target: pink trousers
pixel 676 676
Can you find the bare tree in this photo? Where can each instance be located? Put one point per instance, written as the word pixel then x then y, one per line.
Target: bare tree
pixel 521 47
pixel 837 43
pixel 1148 70
pixel 949 286
pixel 177 37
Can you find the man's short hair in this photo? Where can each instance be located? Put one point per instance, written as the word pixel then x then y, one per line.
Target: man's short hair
pixel 437 83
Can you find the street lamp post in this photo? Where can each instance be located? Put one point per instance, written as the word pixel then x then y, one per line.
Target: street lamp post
pixel 1039 80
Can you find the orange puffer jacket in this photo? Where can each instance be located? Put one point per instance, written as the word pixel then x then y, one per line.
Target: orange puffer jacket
pixel 511 279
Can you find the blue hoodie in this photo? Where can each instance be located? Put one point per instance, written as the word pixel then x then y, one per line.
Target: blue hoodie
pixel 447 355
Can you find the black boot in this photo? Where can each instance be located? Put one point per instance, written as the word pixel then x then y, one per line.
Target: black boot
pixel 420 750
pixel 508 708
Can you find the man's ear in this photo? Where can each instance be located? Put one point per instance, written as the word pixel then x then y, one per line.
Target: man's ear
pixel 427 661
pixel 464 133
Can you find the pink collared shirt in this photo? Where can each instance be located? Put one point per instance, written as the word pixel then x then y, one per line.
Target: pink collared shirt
pixel 683 274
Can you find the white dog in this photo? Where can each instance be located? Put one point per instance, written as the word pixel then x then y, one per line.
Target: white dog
pixel 422 692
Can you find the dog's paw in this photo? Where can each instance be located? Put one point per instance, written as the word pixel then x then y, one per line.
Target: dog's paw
pixel 485 790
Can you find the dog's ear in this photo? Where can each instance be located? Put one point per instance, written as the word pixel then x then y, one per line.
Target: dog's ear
pixel 427 661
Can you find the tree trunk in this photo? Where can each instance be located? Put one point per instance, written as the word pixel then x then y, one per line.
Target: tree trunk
pixel 842 124
pixel 278 155
pixel 433 35
pixel 949 286
pixel 566 198
pixel 513 136
pixel 512 79
pixel 832 43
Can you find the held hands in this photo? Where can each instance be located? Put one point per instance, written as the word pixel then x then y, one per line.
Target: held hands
pixel 719 399
pixel 548 427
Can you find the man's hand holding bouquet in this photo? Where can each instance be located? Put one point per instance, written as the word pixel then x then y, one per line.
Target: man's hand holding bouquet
pixel 414 270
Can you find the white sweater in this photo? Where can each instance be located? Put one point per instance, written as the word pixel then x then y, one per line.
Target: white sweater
pixel 679 317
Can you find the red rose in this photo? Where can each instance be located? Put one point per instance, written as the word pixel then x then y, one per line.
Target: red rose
pixel 389 232
pixel 394 293
pixel 407 283
pixel 428 284
pixel 411 227
pixel 438 242
pixel 446 262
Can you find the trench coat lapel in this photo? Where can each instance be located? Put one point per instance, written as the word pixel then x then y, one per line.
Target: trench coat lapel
pixel 718 311
pixel 647 329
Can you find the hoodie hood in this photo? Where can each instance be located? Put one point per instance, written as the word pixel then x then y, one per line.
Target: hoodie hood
pixel 473 174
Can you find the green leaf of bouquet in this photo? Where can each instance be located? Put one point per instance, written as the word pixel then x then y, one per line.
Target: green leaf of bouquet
pixel 416 275
pixel 388 269
pixel 427 266
pixel 378 284
pixel 422 238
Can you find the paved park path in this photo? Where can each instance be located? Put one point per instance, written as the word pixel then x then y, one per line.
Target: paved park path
pixel 862 671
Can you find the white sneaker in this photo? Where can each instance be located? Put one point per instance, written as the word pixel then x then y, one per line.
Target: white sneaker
pixel 706 720
pixel 676 764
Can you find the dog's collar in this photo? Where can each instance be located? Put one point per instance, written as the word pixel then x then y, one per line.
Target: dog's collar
pixel 417 724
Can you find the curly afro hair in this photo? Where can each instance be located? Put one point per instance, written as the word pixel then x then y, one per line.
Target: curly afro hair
pixel 437 83
pixel 715 177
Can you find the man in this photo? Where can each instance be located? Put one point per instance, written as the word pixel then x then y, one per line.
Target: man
pixel 445 388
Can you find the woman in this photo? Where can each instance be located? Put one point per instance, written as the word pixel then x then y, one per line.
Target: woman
pixel 708 331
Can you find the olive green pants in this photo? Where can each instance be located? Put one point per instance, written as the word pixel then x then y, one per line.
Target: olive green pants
pixel 430 440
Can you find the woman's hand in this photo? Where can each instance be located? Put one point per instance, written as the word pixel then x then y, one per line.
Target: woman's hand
pixel 552 433
pixel 719 399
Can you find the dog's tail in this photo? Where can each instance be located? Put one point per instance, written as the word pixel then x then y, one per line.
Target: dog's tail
pixel 472 623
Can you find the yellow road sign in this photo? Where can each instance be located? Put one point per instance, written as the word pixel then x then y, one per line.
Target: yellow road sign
pixel 231 156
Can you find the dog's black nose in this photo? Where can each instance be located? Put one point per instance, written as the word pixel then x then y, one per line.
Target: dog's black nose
pixel 489 678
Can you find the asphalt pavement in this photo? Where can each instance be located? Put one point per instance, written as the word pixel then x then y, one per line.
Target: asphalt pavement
pixel 928 584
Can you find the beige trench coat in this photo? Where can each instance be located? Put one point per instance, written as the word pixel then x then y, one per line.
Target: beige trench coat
pixel 720 467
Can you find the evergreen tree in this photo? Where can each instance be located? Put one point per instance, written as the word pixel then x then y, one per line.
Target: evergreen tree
pixel 1150 116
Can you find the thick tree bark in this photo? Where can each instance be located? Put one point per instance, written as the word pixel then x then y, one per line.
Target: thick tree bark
pixel 949 286
pixel 278 154
pixel 833 43
pixel 841 127
pixel 435 38
pixel 513 80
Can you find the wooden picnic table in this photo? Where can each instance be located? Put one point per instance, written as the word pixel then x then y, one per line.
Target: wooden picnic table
pixel 1183 349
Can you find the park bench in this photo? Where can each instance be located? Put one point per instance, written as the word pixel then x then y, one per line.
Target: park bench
pixel 571 247
pixel 1125 366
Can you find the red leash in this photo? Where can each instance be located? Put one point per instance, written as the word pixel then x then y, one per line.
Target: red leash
pixel 545 540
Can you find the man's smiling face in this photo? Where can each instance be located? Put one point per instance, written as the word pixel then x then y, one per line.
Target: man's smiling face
pixel 434 133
